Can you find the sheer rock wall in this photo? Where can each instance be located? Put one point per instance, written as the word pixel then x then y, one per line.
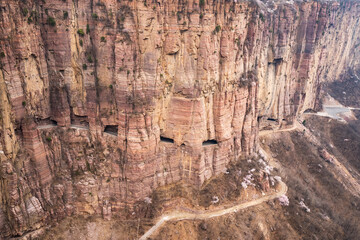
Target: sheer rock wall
pixel 88 87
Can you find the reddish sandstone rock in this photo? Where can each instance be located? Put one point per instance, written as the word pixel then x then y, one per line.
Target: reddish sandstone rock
pixel 114 91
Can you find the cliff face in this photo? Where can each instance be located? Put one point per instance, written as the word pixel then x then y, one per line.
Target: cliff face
pixel 103 101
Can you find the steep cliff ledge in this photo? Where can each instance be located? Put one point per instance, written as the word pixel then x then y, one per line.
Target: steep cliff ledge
pixel 103 101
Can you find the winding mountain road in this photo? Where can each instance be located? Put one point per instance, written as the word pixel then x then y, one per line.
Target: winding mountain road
pixel 178 216
pixel 265 132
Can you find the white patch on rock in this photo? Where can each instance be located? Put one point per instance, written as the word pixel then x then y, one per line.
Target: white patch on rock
pixel 284 200
pixel 215 199
pixel 277 178
pixel 147 200
pixel 303 206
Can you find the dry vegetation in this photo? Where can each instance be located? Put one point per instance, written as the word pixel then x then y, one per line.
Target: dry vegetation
pixel 334 212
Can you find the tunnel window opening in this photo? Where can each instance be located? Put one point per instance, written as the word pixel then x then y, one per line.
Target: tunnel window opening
pixel 111 129
pixel 79 121
pixel 167 140
pixel 272 119
pixel 309 110
pixel 210 142
pixel 53 122
pixel 278 60
pixel 45 122
pixel 18 131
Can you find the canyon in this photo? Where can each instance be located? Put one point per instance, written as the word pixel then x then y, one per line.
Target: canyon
pixel 104 101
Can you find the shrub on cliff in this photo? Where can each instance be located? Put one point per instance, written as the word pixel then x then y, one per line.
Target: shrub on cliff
pixel 33 17
pixel 217 28
pixel 24 11
pixel 261 16
pixel 90 60
pixel 51 21
pixel 81 32
pixel 95 16
pixel 87 28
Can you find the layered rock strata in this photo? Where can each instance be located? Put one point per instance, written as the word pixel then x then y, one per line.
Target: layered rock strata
pixel 103 101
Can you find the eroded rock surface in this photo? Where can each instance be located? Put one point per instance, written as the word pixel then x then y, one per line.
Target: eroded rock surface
pixel 103 101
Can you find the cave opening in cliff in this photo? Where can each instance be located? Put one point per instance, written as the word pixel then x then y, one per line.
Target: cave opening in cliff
pixel 18 130
pixel 309 110
pixel 111 129
pixel 278 60
pixel 209 142
pixel 79 120
pixel 167 140
pixel 272 119
pixel 45 122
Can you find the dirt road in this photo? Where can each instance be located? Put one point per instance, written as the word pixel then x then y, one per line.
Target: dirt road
pixel 178 216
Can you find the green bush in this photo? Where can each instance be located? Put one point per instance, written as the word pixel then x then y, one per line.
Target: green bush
pixel 33 17
pixel 102 39
pixel 66 14
pixel 202 3
pixel 48 139
pixel 84 66
pixel 81 42
pixel 51 21
pixel 81 32
pixel 90 60
pixel 2 54
pixel 261 16
pixel 24 12
pixel 24 103
pixel 94 16
pixel 87 28
pixel 217 28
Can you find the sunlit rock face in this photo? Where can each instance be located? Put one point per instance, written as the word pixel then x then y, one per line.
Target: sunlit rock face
pixel 103 101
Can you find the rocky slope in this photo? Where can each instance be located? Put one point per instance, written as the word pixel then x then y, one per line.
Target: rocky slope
pixel 103 101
